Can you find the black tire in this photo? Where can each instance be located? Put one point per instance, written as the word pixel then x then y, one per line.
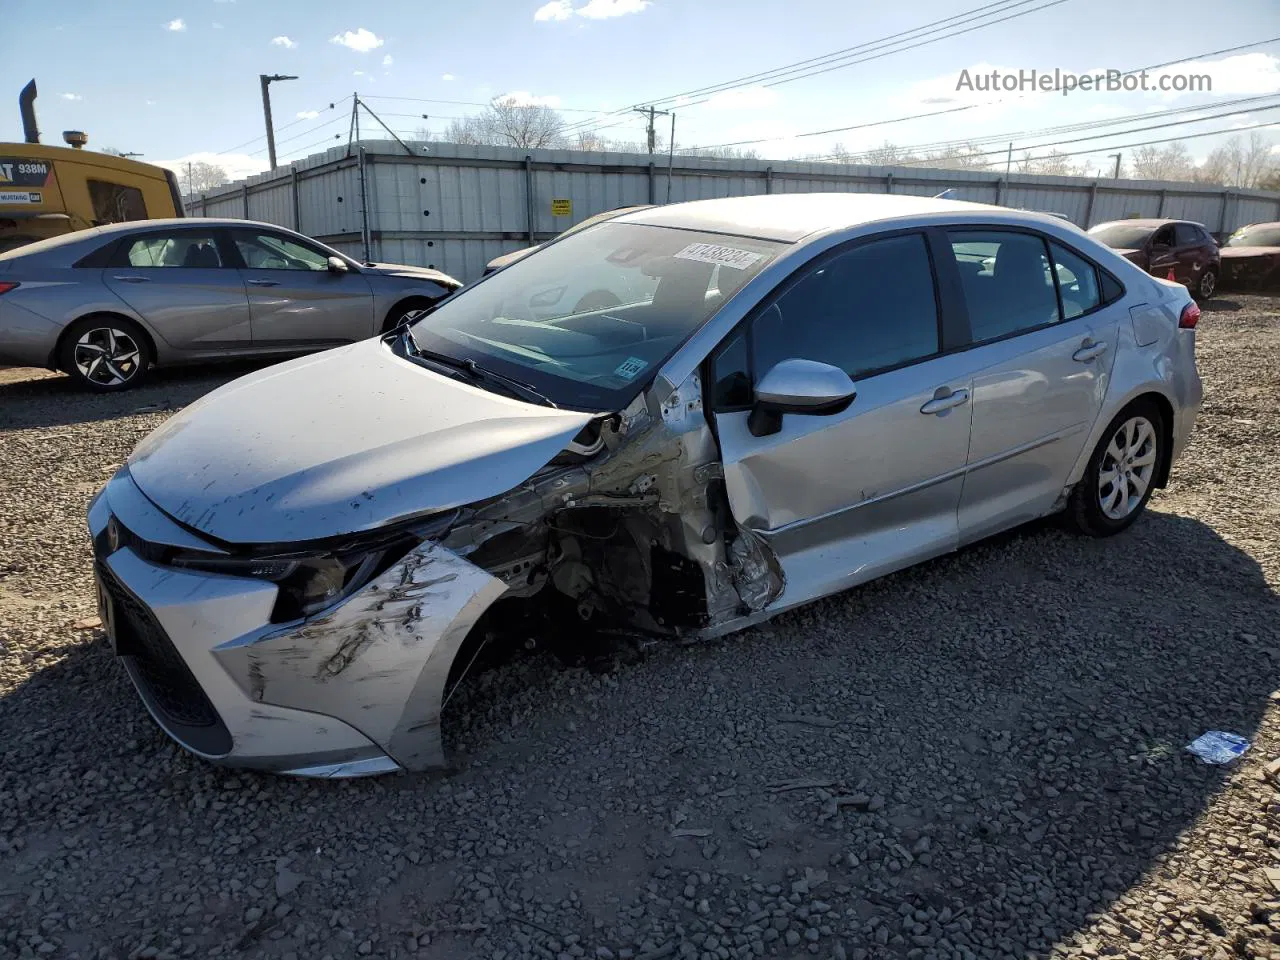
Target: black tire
pixel 97 336
pixel 401 311
pixel 1085 512
pixel 1207 285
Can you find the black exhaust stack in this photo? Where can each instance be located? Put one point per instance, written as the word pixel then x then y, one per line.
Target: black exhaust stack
pixel 27 104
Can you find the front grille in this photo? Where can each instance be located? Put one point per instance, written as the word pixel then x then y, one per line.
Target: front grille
pixel 171 688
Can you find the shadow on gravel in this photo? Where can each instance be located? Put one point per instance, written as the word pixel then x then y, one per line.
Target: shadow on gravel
pixel 1000 734
pixel 54 401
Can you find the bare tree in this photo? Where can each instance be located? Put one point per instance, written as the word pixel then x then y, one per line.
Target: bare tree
pixel 1170 162
pixel 506 122
pixel 1054 164
pixel 1240 163
pixel 964 157
pixel 198 177
pixel 887 155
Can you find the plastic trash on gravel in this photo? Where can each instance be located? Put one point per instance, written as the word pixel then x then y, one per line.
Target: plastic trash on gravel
pixel 1217 746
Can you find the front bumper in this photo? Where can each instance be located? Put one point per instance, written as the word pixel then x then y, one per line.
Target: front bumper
pixel 357 690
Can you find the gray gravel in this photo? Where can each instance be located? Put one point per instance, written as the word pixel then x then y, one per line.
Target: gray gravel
pixel 981 757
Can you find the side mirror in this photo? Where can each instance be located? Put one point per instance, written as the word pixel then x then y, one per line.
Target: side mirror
pixel 338 265
pixel 798 386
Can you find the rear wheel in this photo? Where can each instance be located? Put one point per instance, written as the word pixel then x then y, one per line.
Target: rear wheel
pixel 1208 283
pixel 106 353
pixel 1120 477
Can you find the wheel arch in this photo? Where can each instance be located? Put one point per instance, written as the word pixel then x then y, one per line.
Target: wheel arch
pixel 1152 393
pixel 58 347
pixel 403 303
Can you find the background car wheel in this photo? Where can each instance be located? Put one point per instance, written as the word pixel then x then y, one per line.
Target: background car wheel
pixel 1208 284
pixel 106 353
pixel 1120 477
pixel 405 311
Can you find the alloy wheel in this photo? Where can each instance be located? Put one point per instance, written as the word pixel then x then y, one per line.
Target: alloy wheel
pixel 107 356
pixel 1208 283
pixel 1127 468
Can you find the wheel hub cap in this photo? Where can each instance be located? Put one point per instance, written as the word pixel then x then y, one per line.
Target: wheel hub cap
pixel 107 356
pixel 1127 467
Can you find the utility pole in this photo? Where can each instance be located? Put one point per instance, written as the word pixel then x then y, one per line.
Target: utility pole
pixel 266 80
pixel 1117 156
pixel 1008 163
pixel 652 112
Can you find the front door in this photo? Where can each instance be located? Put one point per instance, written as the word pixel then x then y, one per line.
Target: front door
pixel 1163 257
pixel 1043 346
pixel 295 299
pixel 845 497
pixel 179 281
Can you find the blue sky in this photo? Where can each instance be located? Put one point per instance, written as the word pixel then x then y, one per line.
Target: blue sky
pixel 178 79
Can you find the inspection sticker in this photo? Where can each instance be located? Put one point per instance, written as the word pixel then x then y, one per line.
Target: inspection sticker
pixel 629 368
pixel 714 253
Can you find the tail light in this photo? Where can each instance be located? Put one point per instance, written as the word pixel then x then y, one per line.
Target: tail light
pixel 7 285
pixel 1190 316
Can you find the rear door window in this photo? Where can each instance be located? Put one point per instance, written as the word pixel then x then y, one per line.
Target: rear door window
pixel 191 249
pixel 1077 281
pixel 1007 283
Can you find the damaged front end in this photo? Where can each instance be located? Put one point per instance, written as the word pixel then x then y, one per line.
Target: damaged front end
pixel 339 661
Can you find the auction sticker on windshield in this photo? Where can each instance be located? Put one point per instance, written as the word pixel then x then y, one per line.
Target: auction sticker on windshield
pixel 722 256
pixel 629 368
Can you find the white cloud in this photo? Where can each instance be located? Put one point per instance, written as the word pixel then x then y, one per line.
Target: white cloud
pixel 72 96
pixel 237 165
pixel 150 103
pixel 177 26
pixel 360 40
pixel 447 77
pixel 1246 73
pixel 604 9
pixel 217 25
pixel 555 10
pixel 524 98
pixel 745 98
pixel 388 60
pixel 283 41
pixel 308 114
pixel 357 73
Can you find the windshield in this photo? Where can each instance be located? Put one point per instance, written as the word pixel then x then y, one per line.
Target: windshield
pixel 588 320
pixel 1258 235
pixel 1121 236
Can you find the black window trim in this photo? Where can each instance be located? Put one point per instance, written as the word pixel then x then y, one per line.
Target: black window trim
pixel 1048 240
pixel 119 256
pixel 946 326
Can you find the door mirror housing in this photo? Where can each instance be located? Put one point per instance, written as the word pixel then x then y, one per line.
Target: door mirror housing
pixel 799 386
pixel 337 265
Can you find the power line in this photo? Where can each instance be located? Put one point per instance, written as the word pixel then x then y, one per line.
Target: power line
pixel 286 126
pixel 850 56
pixel 476 103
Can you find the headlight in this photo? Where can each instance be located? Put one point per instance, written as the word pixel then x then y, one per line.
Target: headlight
pixel 308 583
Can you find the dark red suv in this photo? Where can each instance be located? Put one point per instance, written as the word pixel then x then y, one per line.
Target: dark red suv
pixel 1161 246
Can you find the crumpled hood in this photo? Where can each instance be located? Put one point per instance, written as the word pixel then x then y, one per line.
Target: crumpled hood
pixel 1129 254
pixel 407 270
pixel 339 442
pixel 1232 253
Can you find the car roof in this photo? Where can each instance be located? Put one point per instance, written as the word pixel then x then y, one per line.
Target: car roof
pixel 110 229
pixel 1151 222
pixel 790 217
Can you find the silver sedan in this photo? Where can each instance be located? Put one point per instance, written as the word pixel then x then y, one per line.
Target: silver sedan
pixel 791 395
pixel 105 304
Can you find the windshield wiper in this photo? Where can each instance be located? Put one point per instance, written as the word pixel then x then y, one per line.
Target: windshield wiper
pixel 516 388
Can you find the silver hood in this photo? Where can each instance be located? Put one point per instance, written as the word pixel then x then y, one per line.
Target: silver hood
pixel 339 442
pixel 407 270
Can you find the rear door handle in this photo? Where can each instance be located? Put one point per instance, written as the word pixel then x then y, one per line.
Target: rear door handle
pixel 943 404
pixel 264 283
pixel 132 279
pixel 1089 351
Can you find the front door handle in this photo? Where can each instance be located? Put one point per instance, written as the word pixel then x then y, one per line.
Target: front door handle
pixel 264 283
pixel 1089 351
pixel 943 404
pixel 132 279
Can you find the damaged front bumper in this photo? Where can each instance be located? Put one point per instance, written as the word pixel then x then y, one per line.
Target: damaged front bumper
pixel 354 691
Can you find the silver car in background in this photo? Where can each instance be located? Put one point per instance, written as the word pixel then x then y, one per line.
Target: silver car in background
pixel 812 391
pixel 105 304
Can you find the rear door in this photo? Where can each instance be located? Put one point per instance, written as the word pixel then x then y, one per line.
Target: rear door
pixel 1164 255
pixel 1191 252
pixel 295 299
pixel 1043 347
pixel 179 280
pixel 845 497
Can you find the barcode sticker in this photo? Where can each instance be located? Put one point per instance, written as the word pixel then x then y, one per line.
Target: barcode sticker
pixel 722 256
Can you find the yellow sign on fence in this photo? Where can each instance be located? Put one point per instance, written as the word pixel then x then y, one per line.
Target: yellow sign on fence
pixel 562 207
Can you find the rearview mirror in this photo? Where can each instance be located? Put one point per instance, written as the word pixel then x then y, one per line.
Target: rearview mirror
pixel 798 386
pixel 337 265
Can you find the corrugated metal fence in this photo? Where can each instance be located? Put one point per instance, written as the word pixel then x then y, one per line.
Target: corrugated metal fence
pixel 456 207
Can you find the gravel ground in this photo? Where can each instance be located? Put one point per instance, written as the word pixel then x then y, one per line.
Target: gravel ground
pixel 980 757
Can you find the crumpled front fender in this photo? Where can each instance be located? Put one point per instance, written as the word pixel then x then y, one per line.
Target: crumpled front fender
pixel 380 660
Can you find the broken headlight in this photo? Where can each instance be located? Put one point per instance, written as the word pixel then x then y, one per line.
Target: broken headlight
pixel 308 583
